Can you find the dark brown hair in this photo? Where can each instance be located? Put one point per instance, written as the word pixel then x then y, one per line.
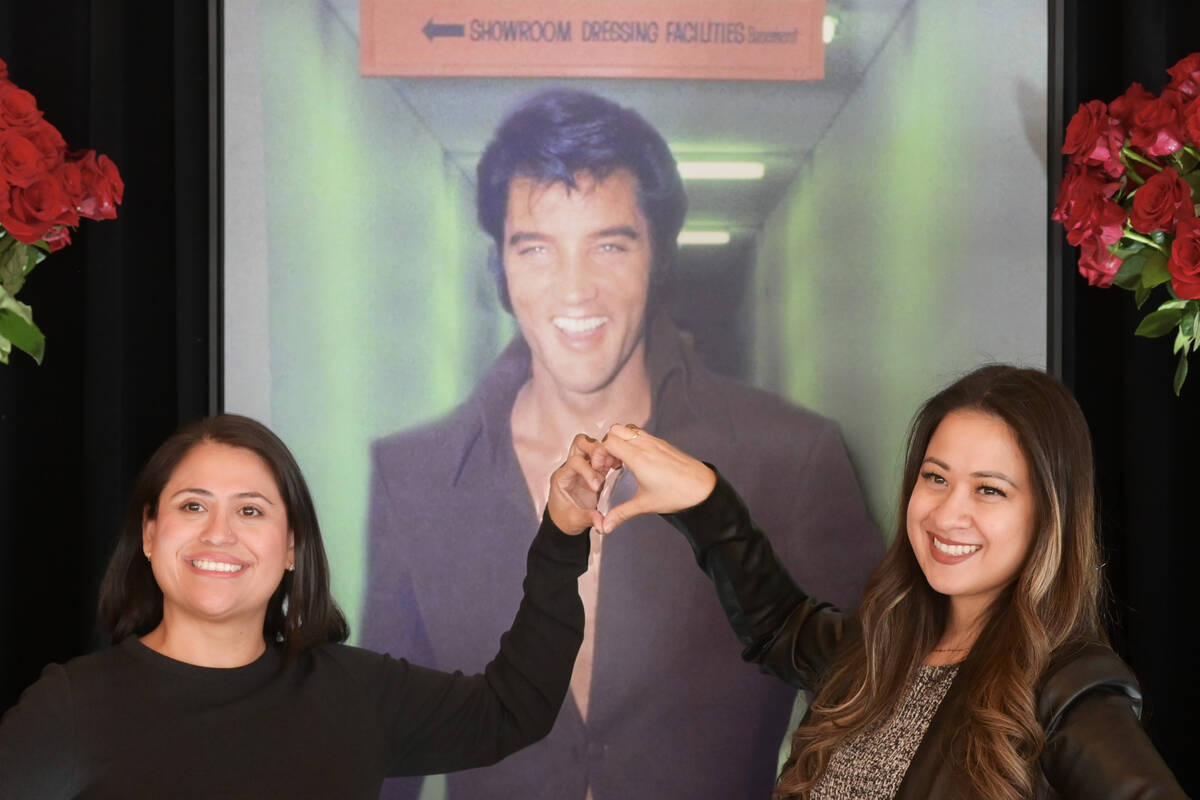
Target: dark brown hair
pixel 1052 606
pixel 300 614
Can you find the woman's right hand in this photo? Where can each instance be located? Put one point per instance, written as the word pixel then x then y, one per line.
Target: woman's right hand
pixel 668 479
pixel 576 485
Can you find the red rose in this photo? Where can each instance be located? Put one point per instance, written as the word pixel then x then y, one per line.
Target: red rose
pixel 1097 264
pixel 1164 201
pixel 70 175
pixel 1085 207
pixel 20 159
pixel 102 186
pixel 18 108
pixel 1093 137
pixel 1158 125
pixel 1185 76
pixel 1127 105
pixel 3 70
pixel 49 143
pixel 1184 263
pixel 58 238
pixel 35 209
pixel 1191 120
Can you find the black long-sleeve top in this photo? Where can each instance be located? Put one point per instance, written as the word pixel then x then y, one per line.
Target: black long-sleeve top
pixel 333 722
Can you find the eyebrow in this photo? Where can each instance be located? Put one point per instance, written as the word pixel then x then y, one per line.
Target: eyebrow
pixel 628 231
pixel 206 493
pixel 980 474
pixel 522 236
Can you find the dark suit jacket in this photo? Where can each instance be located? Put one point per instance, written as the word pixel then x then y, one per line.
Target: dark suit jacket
pixel 1088 704
pixel 673 713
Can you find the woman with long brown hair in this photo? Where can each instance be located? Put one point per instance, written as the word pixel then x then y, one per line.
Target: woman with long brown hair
pixel 977 665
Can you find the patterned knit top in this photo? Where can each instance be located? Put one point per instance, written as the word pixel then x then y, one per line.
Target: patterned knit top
pixel 871 765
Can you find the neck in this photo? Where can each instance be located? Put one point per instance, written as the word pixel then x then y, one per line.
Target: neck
pixel 207 644
pixel 546 416
pixel 549 413
pixel 966 619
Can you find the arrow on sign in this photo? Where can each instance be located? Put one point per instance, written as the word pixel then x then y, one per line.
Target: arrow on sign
pixel 432 30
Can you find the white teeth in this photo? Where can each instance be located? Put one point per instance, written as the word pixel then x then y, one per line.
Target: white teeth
pixel 579 324
pixel 216 566
pixel 956 549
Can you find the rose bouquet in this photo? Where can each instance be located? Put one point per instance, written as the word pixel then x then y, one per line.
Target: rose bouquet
pixel 1128 201
pixel 44 191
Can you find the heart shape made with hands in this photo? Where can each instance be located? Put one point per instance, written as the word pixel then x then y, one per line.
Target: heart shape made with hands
pixel 668 479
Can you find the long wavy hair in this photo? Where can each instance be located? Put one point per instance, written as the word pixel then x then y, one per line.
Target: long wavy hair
pixel 300 614
pixel 1051 607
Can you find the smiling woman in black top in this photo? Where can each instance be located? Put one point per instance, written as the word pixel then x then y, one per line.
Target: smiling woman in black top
pixel 977 664
pixel 228 678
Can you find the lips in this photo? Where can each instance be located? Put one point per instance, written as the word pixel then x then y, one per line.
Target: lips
pixel 945 551
pixel 222 566
pixel 579 326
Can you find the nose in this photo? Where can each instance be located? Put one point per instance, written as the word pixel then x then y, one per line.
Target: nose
pixel 952 510
pixel 219 531
pixel 577 278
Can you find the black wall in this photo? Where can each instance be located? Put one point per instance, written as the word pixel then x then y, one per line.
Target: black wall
pixel 1147 441
pixel 125 309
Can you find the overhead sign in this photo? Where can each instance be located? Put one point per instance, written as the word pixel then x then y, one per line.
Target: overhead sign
pixel 683 39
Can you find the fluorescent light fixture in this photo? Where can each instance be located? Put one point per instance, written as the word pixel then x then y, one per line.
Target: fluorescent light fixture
pixel 828 28
pixel 710 238
pixel 722 170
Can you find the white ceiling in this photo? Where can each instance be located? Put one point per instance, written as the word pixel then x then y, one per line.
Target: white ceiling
pixel 776 122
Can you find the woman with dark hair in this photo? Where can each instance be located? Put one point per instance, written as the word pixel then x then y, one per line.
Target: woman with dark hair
pixel 977 665
pixel 227 677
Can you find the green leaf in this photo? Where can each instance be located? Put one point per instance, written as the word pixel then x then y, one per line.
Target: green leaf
pixel 5 349
pixel 1155 272
pixel 1190 320
pixel 1158 236
pixel 36 256
pixel 1181 342
pixel 1130 247
pixel 16 325
pixel 1129 276
pixel 1159 323
pixel 1193 180
pixel 1140 293
pixel 1180 374
pixel 12 268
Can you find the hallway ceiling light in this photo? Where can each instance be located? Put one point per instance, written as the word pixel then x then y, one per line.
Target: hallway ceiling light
pixel 828 28
pixel 709 238
pixel 722 170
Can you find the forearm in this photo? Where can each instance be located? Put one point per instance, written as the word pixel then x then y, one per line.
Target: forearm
pixel 532 672
pixel 764 605
pixel 448 721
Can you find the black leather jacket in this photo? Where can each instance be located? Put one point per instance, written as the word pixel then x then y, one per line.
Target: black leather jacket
pixel 1089 705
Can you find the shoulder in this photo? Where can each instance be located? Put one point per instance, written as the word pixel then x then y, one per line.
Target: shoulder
pixel 446 435
pixel 51 700
pixel 1085 670
pixel 1095 745
pixel 336 661
pixel 749 416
